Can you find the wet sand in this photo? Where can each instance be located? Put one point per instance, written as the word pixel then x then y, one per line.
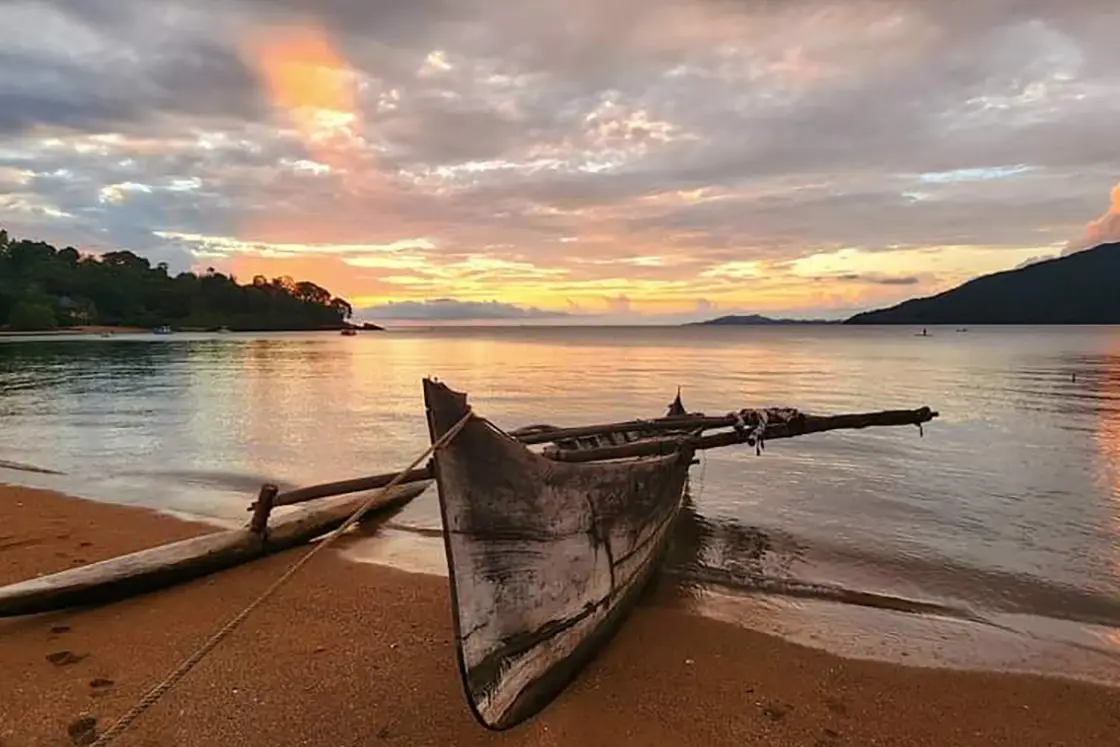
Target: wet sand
pixel 354 654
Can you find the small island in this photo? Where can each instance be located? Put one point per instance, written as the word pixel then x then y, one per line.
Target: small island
pixel 43 289
pixel 756 320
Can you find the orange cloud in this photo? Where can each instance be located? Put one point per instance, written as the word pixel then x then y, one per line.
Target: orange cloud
pixel 1103 230
pixel 1107 227
pixel 312 84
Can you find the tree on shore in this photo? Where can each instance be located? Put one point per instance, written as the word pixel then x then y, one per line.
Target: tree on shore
pixel 42 287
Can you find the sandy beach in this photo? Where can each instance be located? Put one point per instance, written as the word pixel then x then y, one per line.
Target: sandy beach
pixel 355 654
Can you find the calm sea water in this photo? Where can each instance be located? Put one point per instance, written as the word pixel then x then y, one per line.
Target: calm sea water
pixel 992 541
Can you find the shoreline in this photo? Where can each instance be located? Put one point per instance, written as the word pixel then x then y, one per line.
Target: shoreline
pixel 854 632
pixel 89 329
pixel 1030 644
pixel 356 653
pixel 100 329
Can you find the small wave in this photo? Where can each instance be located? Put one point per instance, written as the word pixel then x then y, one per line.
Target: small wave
pixel 21 467
pixel 723 550
pixel 236 482
pixel 996 591
pixel 708 576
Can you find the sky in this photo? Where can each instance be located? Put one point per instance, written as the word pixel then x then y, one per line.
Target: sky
pixel 584 161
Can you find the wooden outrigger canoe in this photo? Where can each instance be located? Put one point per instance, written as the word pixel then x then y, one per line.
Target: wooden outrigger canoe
pixel 158 567
pixel 548 552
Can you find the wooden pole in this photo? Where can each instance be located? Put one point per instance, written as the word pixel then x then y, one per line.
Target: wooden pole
pixel 800 426
pixel 542 434
pixel 342 487
pixel 262 508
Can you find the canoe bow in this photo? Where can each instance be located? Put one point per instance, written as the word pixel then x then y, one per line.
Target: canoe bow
pixel 545 559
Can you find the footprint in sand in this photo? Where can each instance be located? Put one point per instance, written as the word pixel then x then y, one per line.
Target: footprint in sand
pixel 776 711
pixel 829 738
pixel 83 730
pixel 65 658
pixel 100 686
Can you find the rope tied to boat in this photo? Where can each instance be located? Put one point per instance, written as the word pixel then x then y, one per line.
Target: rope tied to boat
pixel 154 694
pixel 751 423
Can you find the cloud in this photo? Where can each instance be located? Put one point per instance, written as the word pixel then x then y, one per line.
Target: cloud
pixel 1034 261
pixel 880 279
pixel 450 309
pixel 615 156
pixel 1103 230
pixel 118 74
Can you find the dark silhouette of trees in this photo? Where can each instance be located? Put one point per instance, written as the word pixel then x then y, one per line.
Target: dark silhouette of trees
pixel 42 287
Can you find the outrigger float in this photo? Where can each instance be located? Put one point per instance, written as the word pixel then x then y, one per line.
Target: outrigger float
pixel 547 551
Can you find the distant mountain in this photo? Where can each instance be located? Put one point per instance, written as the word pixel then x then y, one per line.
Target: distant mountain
pixel 755 320
pixel 1076 289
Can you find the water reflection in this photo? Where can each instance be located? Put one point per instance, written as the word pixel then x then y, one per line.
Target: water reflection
pixel 51 365
pixel 742 554
pixel 761 579
pixel 1107 436
pixel 725 553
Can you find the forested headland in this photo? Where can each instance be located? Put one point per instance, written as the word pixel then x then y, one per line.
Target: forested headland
pixel 1079 288
pixel 43 288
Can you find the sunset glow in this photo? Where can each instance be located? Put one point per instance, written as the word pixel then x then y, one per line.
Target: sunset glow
pixel 309 82
pixel 574 163
pixel 1107 227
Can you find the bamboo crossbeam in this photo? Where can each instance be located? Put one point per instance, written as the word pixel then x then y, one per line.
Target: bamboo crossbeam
pixel 540 434
pixel 799 426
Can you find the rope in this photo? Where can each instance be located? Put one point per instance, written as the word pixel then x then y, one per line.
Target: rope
pixel 153 695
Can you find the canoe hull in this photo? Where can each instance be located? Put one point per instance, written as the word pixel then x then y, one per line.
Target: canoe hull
pixel 177 562
pixel 545 559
